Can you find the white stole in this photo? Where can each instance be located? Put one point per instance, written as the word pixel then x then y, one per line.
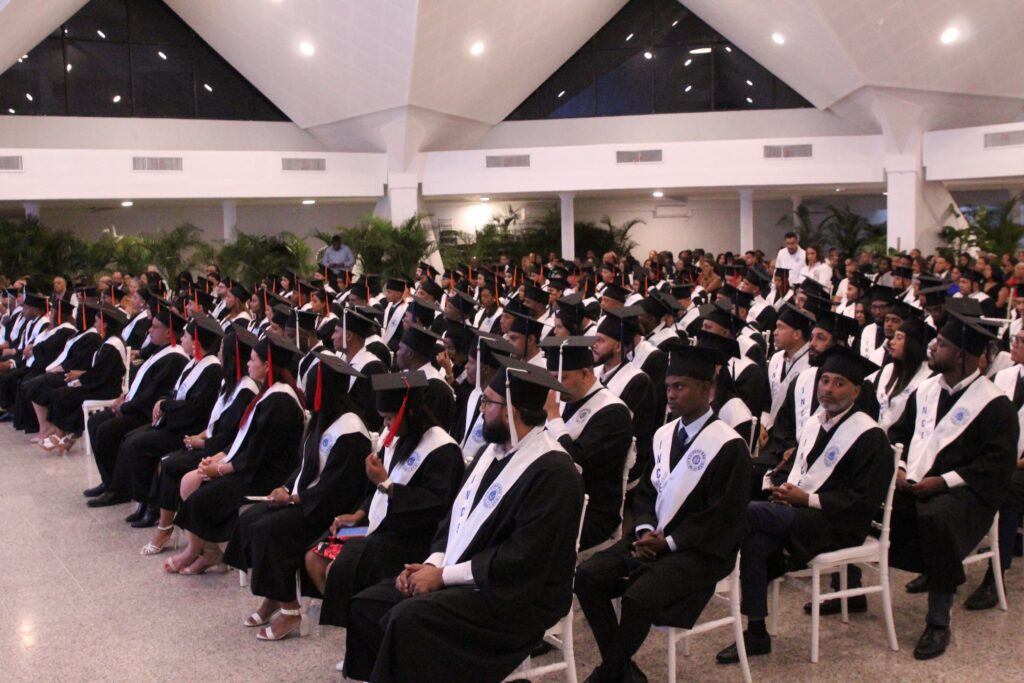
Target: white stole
pixel 432 439
pixel 1006 381
pixel 620 379
pixel 675 484
pixel 153 360
pixel 473 440
pixel 190 374
pixel 46 335
pixel 223 402
pixel 930 438
pixel 812 478
pixel 276 388
pixel 593 404
pixel 803 396
pixel 127 331
pixel 349 423
pixel 890 408
pixel 779 384
pixel 395 321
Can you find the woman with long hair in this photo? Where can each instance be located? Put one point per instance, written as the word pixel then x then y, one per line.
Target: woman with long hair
pixel 271 538
pixel 995 287
pixel 897 380
pixel 237 391
pixel 264 451
pixel 416 481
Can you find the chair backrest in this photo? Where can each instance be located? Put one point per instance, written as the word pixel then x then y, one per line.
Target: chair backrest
pixel 583 514
pixel 883 537
pixel 125 380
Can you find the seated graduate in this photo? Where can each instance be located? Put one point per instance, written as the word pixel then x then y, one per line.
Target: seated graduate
pixel 901 376
pixel 415 483
pixel 271 537
pixel 728 405
pixel 792 339
pixel 153 380
pixel 960 433
pixel 501 568
pixel 264 452
pixel 418 347
pixel 689 509
pixel 349 340
pixel 750 380
pixel 481 365
pixel 841 474
pixel 76 355
pixel 594 427
pixel 183 411
pixel 59 410
pixel 237 391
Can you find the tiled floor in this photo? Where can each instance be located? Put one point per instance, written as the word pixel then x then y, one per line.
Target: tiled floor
pixel 78 603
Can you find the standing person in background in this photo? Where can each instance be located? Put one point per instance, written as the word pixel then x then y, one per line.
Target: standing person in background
pixel 818 269
pixel 338 256
pixel 792 258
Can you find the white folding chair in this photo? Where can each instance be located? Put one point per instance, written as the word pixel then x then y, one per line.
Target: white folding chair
pixel 991 553
pixel 90 408
pixel 558 636
pixel 582 557
pixel 727 591
pixel 873 554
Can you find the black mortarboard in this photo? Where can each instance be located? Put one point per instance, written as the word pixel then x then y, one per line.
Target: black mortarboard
pixel 721 314
pixel 859 280
pixel 796 318
pixel 972 275
pixel 355 322
pixel 395 284
pixel 534 293
pixel 428 270
pixel 202 300
pixel 393 389
pixel 64 310
pixel 306 320
pixel 360 291
pixel 843 361
pixel 281 315
pixel 420 340
pixel 758 277
pixel 882 293
pixel 616 292
pixel 244 342
pixel 423 311
pixel 697 362
pixel 902 310
pixel 277 351
pixel 568 353
pixel 172 320
pixel 966 333
pixel 240 292
pixel 463 302
pixel 430 287
pixel 728 348
pixel 965 307
pixel 812 286
pixel 903 272
pixel 525 386
pixel 525 325
pixel 109 317
pixel 840 326
pixel 35 300
pixel 916 328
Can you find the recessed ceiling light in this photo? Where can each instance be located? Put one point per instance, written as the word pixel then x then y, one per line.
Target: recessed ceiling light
pixel 728 49
pixel 700 50
pixel 688 88
pixel 657 194
pixel 648 55
pixel 750 83
pixel 65 31
pixel 101 34
pixel 127 204
pixel 69 67
pixel 10 111
pixel 750 100
pixel 839 189
pixel 308 202
pixel 561 93
pixel 208 87
pixel 885 194
pixel 28 96
pixel 778 38
pixel 485 199
pixel 117 98
pixel 24 56
pixel 675 23
pixel 688 62
pixel 629 37
pixel 950 35
pixel 161 54
pixel 306 48
pixel 477 49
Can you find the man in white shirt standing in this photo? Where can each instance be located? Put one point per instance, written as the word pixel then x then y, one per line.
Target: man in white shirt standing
pixel 792 258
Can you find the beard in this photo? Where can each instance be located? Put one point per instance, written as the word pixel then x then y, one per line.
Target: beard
pixel 604 358
pixel 496 432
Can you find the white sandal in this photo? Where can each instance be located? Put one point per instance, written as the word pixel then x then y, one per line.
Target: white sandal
pixel 254 619
pixel 153 549
pixel 268 632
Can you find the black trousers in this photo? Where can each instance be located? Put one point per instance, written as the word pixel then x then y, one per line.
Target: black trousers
pixel 106 431
pixel 1010 516
pixel 140 453
pixel 173 467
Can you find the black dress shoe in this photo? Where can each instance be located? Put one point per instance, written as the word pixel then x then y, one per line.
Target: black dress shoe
pixel 858 603
pixel 107 499
pixel 918 585
pixel 151 518
pixel 6 416
pixel 95 491
pixel 542 649
pixel 140 512
pixel 984 597
pixel 755 645
pixel 932 643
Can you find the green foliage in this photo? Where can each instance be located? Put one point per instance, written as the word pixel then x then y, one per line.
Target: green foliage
pixel 174 250
pixel 384 248
pixel 32 249
pixel 990 229
pixel 848 231
pixel 252 257
pixel 802 223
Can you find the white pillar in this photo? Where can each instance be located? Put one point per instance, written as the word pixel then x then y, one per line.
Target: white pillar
pixel 568 211
pixel 746 220
pixel 796 200
pixel 403 196
pixel 31 210
pixel 229 207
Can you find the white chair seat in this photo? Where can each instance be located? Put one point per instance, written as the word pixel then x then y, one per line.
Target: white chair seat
pixel 865 552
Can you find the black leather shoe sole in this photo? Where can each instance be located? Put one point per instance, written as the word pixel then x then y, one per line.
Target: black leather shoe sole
pixel 834 606
pixel 933 643
pixel 106 500
pixel 918 585
pixel 985 597
pixel 754 646
pixel 145 522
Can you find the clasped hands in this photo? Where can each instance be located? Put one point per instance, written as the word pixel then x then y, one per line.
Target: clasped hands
pixel 419 579
pixel 926 488
pixel 649 545
pixel 791 495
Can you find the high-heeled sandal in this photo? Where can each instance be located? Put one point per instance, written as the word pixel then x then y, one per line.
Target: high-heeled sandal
pixel 254 619
pixel 268 632
pixel 217 567
pixel 51 443
pixel 172 568
pixel 154 549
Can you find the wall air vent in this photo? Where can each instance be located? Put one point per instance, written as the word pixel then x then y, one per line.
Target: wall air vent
pixel 303 164
pixel 509 161
pixel 11 163
pixel 788 151
pixel 638 156
pixel 1008 138
pixel 157 164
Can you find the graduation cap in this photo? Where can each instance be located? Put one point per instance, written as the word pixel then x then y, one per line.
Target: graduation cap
pixel 525 325
pixel 916 328
pixel 64 310
pixel 245 342
pixel 726 347
pixel 697 362
pixel 422 311
pixel 86 292
pixel 524 386
pixel 355 322
pixel 972 275
pixel 616 292
pixel 965 306
pixel 275 350
pixel 621 324
pixel 859 280
pixel 721 313
pixel 85 317
pixel 903 272
pixel 758 277
pixel 571 312
pixel 782 274
pixel 883 294
pixel 487 347
pixel 281 315
pixel 559 283
pixel 902 310
pixel 568 353
pixel 395 284
pixel 359 290
pixel 848 363
pixel 373 313
pixel 239 291
pixel 682 290
pixel 109 319
pixel 740 299
pixel 463 303
pixel 35 300
pixel 202 300
pixel 796 318
pixel 812 286
pixel 428 270
pixel 536 294
pixel 421 340
pixel 840 326
pixel 393 391
pixel 206 332
pixel 430 287
pixel 305 320
pixel 335 366
pixel 172 320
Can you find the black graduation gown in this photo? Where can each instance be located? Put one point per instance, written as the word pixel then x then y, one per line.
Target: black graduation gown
pixel 641 396
pixel 381 350
pixel 403 536
pixel 101 382
pixel 44 353
pixel 933 535
pixel 361 392
pixel 438 396
pixel 655 366
pixel 751 385
pixel 138 335
pixel 522 558
pixel 600 450
pixel 272 541
pixel 463 390
pixel 266 457
pixel 177 464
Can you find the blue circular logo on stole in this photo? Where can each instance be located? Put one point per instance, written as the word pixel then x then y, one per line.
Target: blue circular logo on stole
pixel 492 496
pixel 831 455
pixel 583 415
pixel 413 460
pixel 327 443
pixel 696 460
pixel 960 416
pixel 478 433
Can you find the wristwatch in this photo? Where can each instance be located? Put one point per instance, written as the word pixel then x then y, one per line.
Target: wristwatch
pixel 385 487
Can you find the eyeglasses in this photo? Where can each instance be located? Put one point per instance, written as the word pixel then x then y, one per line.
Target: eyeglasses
pixel 495 403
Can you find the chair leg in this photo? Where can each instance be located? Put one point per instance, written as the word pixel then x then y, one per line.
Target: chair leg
pixel 568 651
pixel 773 608
pixel 686 643
pixel 997 569
pixel 671 655
pixel 815 612
pixel 843 584
pixel 890 624
pixel 737 627
pixel 243 578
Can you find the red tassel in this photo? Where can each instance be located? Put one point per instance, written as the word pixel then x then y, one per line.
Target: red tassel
pixel 399 416
pixel 102 327
pixel 270 366
pixel 197 349
pixel 238 362
pixel 318 396
pixel 170 327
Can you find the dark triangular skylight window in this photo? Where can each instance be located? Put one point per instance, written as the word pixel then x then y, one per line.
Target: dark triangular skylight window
pixel 129 58
pixel 656 57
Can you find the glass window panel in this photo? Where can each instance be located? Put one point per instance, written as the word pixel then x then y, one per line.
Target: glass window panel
pixel 221 93
pixel 162 83
pixel 153 22
pixel 673 24
pixel 35 85
pixel 624 82
pixel 787 98
pixel 103 20
pixel 98 83
pixel 568 93
pixel 742 83
pixel 264 109
pixel 632 20
pixel 682 82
